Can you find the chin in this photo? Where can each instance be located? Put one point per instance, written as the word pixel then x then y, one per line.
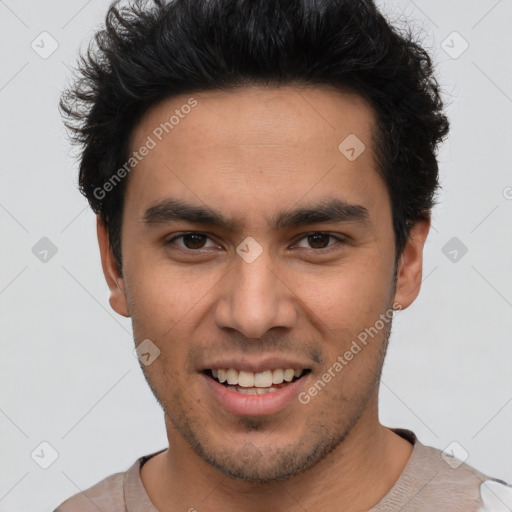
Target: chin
pixel 264 464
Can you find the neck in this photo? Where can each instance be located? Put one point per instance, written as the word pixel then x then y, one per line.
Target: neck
pixel 358 473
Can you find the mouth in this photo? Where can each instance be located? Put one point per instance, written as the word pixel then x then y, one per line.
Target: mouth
pixel 260 383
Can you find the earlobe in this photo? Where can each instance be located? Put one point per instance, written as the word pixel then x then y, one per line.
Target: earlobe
pixel 114 279
pixel 410 265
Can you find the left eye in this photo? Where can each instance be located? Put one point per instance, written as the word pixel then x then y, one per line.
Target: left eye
pixel 319 240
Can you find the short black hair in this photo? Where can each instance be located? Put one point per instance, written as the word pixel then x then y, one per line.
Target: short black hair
pixel 150 50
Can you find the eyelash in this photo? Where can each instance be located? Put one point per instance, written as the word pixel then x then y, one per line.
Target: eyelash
pixel 306 235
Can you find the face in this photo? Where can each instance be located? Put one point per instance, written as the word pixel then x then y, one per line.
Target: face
pixel 252 243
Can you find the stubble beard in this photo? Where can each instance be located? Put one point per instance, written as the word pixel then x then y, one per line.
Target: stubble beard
pixel 265 464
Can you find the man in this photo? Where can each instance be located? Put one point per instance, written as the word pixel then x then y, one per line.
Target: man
pixel 263 175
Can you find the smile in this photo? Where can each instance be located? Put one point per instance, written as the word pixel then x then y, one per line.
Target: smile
pixel 250 383
pixel 247 393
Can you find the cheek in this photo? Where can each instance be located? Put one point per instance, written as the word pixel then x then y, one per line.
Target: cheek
pixel 347 298
pixel 159 299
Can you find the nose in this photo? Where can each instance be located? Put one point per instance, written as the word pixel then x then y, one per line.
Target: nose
pixel 254 298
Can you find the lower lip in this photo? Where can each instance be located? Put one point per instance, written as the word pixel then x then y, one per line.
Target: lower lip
pixel 254 405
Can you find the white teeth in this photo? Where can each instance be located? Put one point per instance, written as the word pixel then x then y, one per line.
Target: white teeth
pixel 277 376
pixel 232 376
pixel 252 391
pixel 288 375
pixel 261 380
pixel 246 379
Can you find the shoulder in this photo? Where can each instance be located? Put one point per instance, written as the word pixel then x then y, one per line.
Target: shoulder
pixel 115 493
pixel 436 480
pixel 450 483
pixel 464 488
pixel 105 495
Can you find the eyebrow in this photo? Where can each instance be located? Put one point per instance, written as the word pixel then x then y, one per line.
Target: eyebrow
pixel 328 210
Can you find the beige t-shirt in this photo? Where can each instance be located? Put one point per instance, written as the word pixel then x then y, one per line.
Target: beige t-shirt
pixel 427 484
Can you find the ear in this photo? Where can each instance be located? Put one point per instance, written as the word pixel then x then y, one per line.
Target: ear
pixel 410 265
pixel 114 279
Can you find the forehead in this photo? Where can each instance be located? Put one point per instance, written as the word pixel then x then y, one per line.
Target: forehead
pixel 257 147
pixel 286 115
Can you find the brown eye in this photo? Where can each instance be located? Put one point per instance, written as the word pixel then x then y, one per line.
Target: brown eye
pixel 319 240
pixel 194 241
pixel 191 241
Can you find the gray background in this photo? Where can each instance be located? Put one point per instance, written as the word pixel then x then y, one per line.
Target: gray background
pixel 68 373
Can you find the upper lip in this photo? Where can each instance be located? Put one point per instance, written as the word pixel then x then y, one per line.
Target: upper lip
pixel 248 365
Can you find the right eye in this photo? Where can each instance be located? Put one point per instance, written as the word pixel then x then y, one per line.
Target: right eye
pixel 191 241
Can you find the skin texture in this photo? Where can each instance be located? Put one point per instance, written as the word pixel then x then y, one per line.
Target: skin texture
pixel 251 153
